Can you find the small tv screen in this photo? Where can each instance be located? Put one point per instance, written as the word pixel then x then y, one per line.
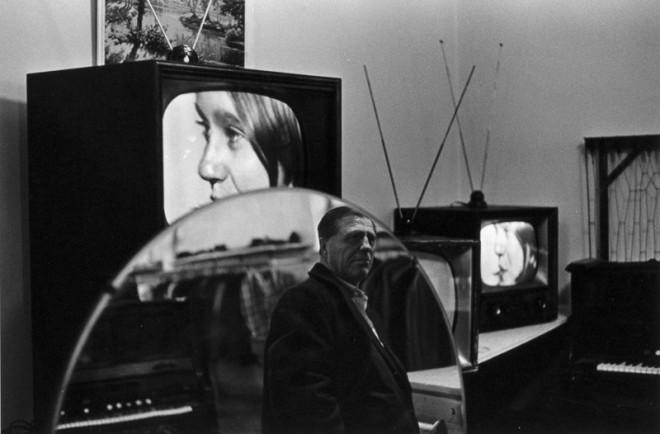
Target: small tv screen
pixel 511 255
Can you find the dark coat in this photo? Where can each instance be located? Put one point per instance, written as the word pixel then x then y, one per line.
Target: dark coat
pixel 325 370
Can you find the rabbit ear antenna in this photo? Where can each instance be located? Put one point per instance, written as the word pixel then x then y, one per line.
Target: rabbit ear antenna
pixel 490 116
pixel 201 25
pixel 458 120
pixel 159 24
pixel 442 144
pixel 382 141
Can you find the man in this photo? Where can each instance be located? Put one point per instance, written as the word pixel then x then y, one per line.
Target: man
pixel 326 368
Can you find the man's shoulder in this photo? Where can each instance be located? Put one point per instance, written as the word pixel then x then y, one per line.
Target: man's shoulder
pixel 317 287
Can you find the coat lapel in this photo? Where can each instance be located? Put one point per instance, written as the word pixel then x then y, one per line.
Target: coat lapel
pixel 321 272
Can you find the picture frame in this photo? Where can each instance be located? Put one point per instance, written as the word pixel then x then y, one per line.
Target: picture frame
pixel 128 30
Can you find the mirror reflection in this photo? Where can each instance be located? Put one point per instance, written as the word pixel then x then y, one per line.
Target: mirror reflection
pixel 224 323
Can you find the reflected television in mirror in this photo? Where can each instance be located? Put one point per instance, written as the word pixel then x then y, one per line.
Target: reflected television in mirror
pixel 177 342
pixel 448 264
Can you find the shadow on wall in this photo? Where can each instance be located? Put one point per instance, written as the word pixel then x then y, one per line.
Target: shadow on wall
pixel 15 329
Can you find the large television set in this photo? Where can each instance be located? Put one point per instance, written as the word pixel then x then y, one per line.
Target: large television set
pixel 116 153
pixel 516 257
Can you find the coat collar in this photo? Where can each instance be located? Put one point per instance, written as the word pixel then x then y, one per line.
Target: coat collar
pixel 323 273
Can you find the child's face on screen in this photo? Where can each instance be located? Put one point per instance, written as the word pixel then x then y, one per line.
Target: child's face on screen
pixel 502 255
pixel 229 162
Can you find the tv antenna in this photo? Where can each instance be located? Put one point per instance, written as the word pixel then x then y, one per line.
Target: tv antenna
pixel 442 144
pixel 458 119
pixel 201 24
pixel 490 118
pixel 153 11
pixel 382 141
pixel 477 195
pixel 182 53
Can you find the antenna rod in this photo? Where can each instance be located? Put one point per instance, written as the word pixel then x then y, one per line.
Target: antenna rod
pixel 382 141
pixel 442 144
pixel 458 120
pixel 201 24
pixel 490 116
pixel 159 24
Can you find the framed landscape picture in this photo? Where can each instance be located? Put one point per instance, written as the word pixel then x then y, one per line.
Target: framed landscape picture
pixel 129 30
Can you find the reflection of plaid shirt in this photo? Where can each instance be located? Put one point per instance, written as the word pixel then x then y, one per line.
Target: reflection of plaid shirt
pixel 260 292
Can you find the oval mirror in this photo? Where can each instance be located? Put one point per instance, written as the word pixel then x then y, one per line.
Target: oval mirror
pixel 177 344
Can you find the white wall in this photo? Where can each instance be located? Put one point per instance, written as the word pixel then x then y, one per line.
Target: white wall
pixel 568 70
pixel 36 36
pixel 398 41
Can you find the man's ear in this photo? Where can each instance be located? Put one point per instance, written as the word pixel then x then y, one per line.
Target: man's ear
pixel 322 247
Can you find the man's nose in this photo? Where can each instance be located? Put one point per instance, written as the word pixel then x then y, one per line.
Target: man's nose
pixel 366 243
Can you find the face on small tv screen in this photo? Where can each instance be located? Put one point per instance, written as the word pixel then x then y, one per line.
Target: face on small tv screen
pixel 509 254
pixel 217 143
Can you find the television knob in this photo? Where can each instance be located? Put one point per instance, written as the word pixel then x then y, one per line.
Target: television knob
pixel 541 305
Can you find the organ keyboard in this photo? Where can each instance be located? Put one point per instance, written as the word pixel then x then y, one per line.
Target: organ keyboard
pixel 628 368
pixel 137 374
pixel 589 365
pixel 120 403
pixel 125 417
pixel 615 332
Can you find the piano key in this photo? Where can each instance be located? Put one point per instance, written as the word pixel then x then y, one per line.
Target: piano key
pixel 628 368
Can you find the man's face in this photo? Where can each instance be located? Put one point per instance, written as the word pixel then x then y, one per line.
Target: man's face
pixel 350 252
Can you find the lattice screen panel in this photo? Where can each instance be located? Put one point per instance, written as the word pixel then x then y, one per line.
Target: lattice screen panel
pixel 623 177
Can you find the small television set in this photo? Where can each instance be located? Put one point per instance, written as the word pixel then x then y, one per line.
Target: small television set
pixel 516 257
pixel 116 153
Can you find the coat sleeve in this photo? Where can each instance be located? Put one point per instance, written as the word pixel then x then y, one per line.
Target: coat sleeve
pixel 299 395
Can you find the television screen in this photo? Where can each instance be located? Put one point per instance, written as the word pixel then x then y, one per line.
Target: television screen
pixel 510 256
pixel 221 142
